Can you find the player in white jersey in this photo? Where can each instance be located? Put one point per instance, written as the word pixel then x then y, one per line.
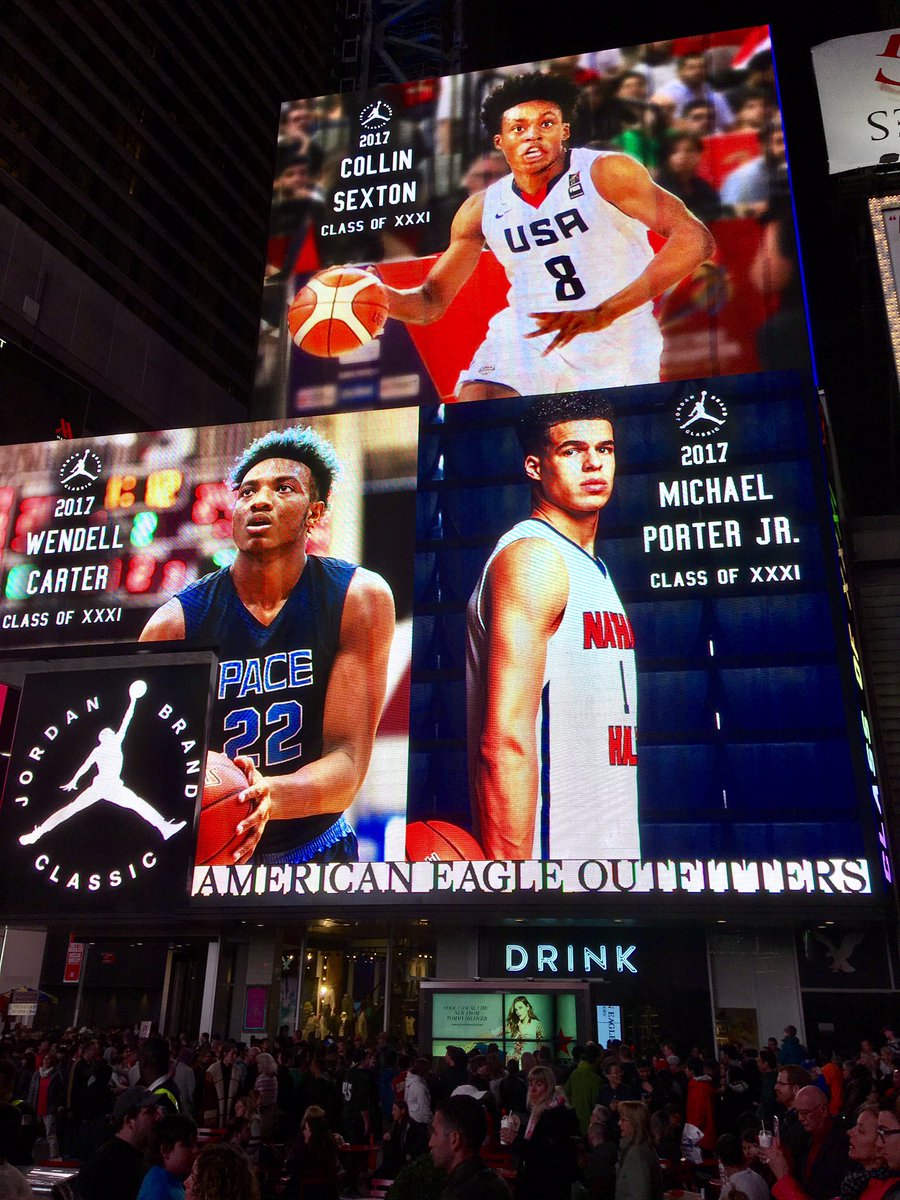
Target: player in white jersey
pixel 550 672
pixel 570 227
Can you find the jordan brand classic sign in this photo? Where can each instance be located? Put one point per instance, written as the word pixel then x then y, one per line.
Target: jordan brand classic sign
pixel 104 778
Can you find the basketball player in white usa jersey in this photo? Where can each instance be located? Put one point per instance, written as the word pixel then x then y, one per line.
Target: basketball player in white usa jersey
pixel 550 670
pixel 570 229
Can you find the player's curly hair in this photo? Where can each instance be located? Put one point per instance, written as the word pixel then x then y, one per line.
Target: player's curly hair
pixel 543 412
pixel 519 89
pixel 298 443
pixel 222 1172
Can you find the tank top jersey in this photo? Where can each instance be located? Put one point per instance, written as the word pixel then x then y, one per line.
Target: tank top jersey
pixel 574 250
pixel 272 679
pixel 586 805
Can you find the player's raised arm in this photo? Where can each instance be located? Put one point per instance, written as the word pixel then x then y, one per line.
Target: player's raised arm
pixel 525 596
pixel 625 183
pixel 429 301
pixel 353 704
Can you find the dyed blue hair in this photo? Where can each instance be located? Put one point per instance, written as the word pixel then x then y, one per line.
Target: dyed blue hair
pixel 298 443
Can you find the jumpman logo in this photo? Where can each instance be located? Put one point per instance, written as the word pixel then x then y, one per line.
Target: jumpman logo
pixel 108 758
pixel 80 469
pixel 376 115
pixel 699 413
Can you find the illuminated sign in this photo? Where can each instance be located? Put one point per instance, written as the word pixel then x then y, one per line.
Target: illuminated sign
pixel 102 788
pixel 518 1022
pixel 609 1023
pixel 715 682
pixel 551 959
pixel 491 283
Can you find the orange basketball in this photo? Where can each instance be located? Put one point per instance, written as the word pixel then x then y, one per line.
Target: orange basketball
pixel 339 310
pixel 220 810
pixel 439 841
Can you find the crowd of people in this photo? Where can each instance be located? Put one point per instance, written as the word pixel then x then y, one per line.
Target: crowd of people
pixel 318 1119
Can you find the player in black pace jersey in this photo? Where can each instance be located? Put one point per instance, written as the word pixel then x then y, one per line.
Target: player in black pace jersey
pixel 303 646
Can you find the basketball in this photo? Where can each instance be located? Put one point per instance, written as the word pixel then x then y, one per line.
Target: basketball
pixel 339 310
pixel 220 811
pixel 439 841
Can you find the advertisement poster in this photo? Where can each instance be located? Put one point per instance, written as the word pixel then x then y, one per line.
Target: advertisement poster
pixel 103 785
pixel 661 248
pixel 518 1023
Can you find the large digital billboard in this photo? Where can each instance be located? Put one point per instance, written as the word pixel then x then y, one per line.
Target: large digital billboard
pixel 618 217
pixel 585 636
pixel 620 661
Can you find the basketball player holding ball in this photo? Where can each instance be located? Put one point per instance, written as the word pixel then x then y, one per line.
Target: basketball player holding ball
pixel 550 667
pixel 569 226
pixel 303 653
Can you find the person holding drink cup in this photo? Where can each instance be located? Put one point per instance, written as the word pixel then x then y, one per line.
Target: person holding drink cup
pixel 544 1148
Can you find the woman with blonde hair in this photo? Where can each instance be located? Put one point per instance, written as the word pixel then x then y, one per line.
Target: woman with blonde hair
pixel 221 1172
pixel 545 1148
pixel 638 1175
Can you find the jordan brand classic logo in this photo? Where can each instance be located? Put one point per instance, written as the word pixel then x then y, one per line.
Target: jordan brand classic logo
pixel 701 416
pixel 132 802
pixel 376 116
pixel 80 471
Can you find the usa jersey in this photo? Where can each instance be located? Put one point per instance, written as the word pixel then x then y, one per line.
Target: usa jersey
pixel 573 251
pixel 586 806
pixel 272 679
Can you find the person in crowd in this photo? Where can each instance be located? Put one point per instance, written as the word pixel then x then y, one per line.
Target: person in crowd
pixel 701 1099
pixel 859 1087
pixel 238 1133
pixel 116 1170
pixel 312 1166
pixel 737 1175
pixel 880 1180
pixel 582 1088
pixel 750 190
pixel 513 1090
pixel 788 1083
pixel 221 1087
pixel 866 1152
pixel 185 1079
pixel 46 1095
pixel 458 1132
pixel 638 1174
pixel 544 1147
pixel 791 1049
pixel 173 1150
pixel 666 1139
pixel 824 1160
pixel 221 1172
pixel 690 84
pixel 155 1074
pixel 598 1173
pixel 612 1093
pixel 266 1087
pixel 402 1141
pixel 418 1097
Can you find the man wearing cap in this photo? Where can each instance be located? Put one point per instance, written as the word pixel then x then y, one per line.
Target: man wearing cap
pixel 116 1170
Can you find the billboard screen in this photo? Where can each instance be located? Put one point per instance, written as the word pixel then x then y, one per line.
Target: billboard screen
pixel 490 705
pixel 595 221
pixel 104 778
pixel 583 637
pixel 518 1022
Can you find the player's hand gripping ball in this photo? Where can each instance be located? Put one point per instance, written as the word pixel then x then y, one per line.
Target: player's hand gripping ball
pixel 339 310
pixel 220 811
